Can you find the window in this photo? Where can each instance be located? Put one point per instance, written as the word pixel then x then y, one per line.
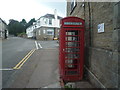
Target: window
pixel 50 32
pixel 1 34
pixel 73 5
pixel 50 21
pixel 43 31
pixel 39 32
pixel 38 23
pixel 46 21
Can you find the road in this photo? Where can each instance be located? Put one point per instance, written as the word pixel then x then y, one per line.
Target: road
pixel 40 68
pixel 13 50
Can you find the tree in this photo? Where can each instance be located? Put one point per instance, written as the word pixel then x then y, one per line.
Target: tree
pixel 23 22
pixel 30 22
pixel 15 27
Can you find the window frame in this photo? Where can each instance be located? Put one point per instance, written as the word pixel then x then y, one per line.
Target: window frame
pixel 73 5
pixel 50 30
pixel 50 21
pixel 39 32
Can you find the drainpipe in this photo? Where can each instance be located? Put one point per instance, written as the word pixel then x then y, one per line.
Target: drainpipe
pixel 90 29
pixel 55 16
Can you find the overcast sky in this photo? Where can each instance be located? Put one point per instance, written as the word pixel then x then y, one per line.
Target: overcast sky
pixel 28 9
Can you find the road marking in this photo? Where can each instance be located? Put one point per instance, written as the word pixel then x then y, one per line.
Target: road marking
pixel 26 60
pixel 20 64
pixel 22 60
pixel 36 45
pixel 39 45
pixel 6 69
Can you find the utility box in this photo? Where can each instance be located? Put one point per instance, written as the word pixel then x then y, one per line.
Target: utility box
pixel 71 50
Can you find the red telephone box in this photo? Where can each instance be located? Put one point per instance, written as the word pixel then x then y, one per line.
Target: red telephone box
pixel 71 50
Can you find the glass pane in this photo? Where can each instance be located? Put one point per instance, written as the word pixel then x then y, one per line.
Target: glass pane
pixel 72 44
pixel 72 32
pixel 72 38
pixel 72 50
pixel 71 73
pixel 71 61
pixel 69 55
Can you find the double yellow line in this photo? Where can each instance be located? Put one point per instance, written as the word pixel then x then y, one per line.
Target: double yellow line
pixel 20 64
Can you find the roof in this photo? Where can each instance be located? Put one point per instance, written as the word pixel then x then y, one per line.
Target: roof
pixel 51 16
pixel 3 21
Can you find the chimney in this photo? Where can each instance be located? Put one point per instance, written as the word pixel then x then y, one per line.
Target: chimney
pixel 55 14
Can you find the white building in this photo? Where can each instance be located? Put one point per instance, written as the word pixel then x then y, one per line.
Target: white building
pixel 49 20
pixel 29 30
pixel 3 29
pixel 48 26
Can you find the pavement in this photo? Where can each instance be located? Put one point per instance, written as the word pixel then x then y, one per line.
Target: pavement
pixel 54 85
pixel 83 84
pixel 43 73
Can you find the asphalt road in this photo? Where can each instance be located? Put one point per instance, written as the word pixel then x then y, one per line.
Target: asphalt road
pixel 41 68
pixel 13 50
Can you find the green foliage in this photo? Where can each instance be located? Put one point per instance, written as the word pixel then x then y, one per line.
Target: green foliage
pixel 15 27
pixel 23 22
pixel 30 22
pixel 21 34
pixel 66 86
pixel 70 88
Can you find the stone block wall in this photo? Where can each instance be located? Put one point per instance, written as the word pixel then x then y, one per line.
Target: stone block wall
pixel 40 34
pixel 102 50
pixel 116 37
pixel 43 35
pixel 3 29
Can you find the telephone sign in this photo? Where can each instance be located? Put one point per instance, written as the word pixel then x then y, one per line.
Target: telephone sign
pixel 72 23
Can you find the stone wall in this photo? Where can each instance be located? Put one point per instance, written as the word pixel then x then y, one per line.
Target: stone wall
pixel 116 38
pixel 102 50
pixel 3 29
pixel 41 35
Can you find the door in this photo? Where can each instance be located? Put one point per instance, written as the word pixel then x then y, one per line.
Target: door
pixel 72 53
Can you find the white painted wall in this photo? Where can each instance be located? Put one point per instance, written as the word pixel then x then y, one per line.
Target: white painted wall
pixel 45 22
pixel 29 31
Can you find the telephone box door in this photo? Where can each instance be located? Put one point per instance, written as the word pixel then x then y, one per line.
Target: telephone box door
pixel 71 54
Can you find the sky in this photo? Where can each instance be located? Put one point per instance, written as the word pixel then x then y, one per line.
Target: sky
pixel 28 9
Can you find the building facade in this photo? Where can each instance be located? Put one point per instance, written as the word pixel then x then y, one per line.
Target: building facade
pixel 29 31
pixel 47 27
pixel 102 40
pixel 3 29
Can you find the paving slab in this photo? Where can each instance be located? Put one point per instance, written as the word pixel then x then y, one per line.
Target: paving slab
pixel 46 71
pixel 54 85
pixel 83 84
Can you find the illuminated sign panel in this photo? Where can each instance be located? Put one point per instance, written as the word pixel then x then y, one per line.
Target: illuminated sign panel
pixel 72 23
